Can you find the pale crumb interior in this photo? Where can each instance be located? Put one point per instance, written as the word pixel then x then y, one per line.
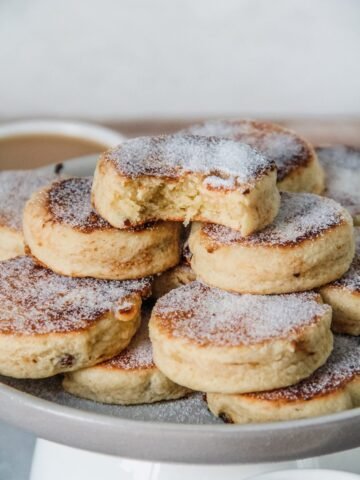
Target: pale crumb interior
pixel 186 199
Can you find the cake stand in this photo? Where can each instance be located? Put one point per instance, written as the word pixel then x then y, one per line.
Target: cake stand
pixel 163 440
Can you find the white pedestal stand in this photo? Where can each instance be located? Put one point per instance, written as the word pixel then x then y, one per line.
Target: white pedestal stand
pixel 57 462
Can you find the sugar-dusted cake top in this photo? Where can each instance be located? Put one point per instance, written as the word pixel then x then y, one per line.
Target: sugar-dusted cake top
pixel 209 315
pixel 301 216
pixel 223 163
pixel 284 147
pixel 35 300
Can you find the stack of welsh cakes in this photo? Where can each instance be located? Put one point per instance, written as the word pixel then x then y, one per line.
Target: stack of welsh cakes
pixel 255 303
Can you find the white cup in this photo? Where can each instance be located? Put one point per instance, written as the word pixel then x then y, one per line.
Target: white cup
pixel 100 137
pixel 82 130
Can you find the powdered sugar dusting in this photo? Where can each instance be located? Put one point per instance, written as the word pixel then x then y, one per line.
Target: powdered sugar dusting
pixel 16 187
pixel 188 410
pixel 220 161
pixel 342 168
pixel 139 353
pixel 276 143
pixel 342 366
pixel 210 315
pixel 219 183
pixel 69 203
pixel 301 216
pixel 33 299
pixel 351 279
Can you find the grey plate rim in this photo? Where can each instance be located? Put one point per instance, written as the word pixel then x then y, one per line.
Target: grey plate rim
pixel 25 398
pixel 180 443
